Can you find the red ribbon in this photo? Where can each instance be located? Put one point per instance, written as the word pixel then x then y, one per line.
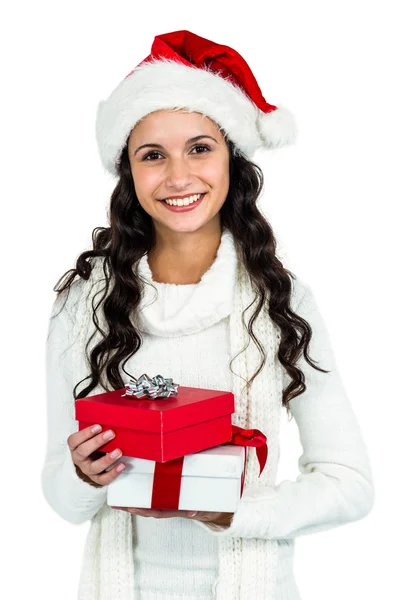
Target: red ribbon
pixel 168 475
pixel 167 484
pixel 254 438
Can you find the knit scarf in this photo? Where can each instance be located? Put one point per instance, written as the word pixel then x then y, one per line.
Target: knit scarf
pixel 247 567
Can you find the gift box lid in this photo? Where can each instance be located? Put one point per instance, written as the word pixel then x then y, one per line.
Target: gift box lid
pixel 220 461
pixel 189 407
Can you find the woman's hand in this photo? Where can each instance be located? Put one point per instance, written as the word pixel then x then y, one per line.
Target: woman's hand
pixel 217 518
pixel 84 446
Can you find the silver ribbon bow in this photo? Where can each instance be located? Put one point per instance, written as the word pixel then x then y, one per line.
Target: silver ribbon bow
pixel 145 387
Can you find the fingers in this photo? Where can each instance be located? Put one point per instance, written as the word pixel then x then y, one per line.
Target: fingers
pixel 87 440
pixel 109 476
pixel 149 512
pixel 168 514
pixel 84 446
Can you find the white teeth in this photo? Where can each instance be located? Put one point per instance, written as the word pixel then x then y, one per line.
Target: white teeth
pixel 183 201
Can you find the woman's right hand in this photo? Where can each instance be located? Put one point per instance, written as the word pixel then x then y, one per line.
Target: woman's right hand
pixel 83 444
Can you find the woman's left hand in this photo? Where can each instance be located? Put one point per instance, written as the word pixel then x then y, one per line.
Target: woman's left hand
pixel 208 517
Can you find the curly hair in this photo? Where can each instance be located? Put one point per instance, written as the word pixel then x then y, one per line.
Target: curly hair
pixel 131 235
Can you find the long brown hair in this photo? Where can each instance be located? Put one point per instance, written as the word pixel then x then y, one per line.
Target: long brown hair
pixel 131 235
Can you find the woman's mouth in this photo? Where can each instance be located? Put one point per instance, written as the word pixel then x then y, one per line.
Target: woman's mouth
pixel 193 202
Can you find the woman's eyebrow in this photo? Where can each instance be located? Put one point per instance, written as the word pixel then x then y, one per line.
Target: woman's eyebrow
pixel 190 141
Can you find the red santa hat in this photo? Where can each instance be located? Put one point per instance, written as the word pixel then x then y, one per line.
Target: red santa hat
pixel 186 71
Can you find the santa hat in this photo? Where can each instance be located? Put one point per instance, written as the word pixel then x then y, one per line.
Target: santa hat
pixel 186 71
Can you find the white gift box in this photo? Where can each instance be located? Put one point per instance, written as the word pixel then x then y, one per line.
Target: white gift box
pixel 211 481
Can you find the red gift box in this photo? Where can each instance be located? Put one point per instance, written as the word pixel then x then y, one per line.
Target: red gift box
pixel 161 429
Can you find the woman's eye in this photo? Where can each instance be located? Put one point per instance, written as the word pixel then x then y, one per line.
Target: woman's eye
pixel 149 155
pixel 199 146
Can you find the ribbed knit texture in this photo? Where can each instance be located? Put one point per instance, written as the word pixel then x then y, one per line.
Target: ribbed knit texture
pixel 175 310
pixel 129 557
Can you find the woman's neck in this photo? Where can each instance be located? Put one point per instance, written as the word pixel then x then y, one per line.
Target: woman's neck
pixel 184 259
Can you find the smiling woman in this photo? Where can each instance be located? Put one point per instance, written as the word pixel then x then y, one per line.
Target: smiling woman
pixel 179 133
pixel 194 179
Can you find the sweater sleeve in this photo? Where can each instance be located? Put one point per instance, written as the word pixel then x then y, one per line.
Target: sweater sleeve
pixel 335 484
pixel 68 495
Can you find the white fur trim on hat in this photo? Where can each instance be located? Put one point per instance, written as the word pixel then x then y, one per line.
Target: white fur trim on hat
pixel 167 84
pixel 277 128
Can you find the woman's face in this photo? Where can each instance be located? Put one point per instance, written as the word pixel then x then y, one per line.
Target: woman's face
pixel 168 163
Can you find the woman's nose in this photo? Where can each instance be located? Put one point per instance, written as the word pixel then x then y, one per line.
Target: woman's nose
pixel 178 172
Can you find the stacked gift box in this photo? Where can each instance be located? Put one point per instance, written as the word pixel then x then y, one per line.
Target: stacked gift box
pixel 179 445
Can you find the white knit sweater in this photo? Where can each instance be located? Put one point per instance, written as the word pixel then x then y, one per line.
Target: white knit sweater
pixel 186 336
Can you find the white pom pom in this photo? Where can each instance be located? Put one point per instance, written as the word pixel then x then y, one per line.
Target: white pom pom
pixel 277 128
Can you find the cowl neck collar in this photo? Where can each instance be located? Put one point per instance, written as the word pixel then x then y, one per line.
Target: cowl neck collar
pixel 172 310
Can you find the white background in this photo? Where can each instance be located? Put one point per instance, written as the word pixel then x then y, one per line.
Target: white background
pixel 332 200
